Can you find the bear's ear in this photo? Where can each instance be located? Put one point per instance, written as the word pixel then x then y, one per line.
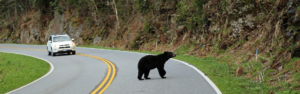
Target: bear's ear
pixel 166 52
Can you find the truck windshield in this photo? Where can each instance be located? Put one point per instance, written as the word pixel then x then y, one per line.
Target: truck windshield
pixel 61 38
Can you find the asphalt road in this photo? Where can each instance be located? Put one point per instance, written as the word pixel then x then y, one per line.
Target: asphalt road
pixel 77 74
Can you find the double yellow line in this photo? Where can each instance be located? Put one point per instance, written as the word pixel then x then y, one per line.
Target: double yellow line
pixel 108 78
pixel 110 74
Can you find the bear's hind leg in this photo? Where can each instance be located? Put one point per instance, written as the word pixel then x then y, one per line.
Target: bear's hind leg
pixel 140 75
pixel 147 74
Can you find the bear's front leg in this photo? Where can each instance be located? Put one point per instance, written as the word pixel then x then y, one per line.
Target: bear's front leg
pixel 140 75
pixel 147 74
pixel 162 72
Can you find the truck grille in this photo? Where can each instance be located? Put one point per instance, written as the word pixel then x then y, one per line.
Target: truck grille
pixel 64 46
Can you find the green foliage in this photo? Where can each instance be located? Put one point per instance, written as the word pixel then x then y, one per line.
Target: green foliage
pixel 247 2
pixel 87 20
pixel 261 16
pixel 182 9
pixel 141 5
pixel 293 27
pixel 54 4
pixel 104 9
pixel 165 29
pixel 183 49
pixel 81 4
pixel 191 22
pixel 198 4
pixel 123 12
pixel 191 18
pixel 272 1
pixel 21 7
pixel 146 27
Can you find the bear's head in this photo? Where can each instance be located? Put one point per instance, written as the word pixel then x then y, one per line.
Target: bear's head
pixel 169 54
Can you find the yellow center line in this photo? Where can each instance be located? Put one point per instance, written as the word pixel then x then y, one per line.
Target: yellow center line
pixel 107 76
pixel 111 79
pixel 108 63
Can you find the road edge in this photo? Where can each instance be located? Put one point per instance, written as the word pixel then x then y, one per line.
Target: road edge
pixel 49 72
pixel 202 74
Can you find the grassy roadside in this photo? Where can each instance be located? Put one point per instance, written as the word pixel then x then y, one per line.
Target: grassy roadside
pixel 18 70
pixel 223 74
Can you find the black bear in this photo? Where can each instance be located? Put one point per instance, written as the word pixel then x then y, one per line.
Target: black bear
pixel 150 62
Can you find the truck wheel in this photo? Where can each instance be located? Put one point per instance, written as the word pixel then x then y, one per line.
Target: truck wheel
pixel 53 54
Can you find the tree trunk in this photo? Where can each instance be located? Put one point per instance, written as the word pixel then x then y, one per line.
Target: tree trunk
pixel 16 11
pixel 96 9
pixel 116 11
pixel 95 5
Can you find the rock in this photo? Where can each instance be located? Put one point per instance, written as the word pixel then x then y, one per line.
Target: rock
pixel 24 36
pixel 3 40
pixel 236 27
pixel 289 34
pixel 170 31
pixel 128 36
pixel 42 40
pixel 194 37
pixel 18 41
pixel 239 71
pixel 240 20
pixel 291 10
pixel 229 9
pixel 250 21
pixel 235 10
pixel 214 28
pixel 79 41
pixel 97 40
pixel 258 26
pixel 289 3
pixel 244 9
pixel 174 18
pixel 279 67
pixel 181 27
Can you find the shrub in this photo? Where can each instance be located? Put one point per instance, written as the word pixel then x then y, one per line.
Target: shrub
pixel 146 27
pixel 141 5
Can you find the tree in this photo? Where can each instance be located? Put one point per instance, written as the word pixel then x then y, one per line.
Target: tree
pixel 116 11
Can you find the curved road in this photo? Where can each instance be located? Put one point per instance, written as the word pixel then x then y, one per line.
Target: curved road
pixel 78 74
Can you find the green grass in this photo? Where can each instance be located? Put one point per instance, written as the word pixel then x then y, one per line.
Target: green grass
pixel 18 70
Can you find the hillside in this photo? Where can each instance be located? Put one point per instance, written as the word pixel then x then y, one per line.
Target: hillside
pixel 261 37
